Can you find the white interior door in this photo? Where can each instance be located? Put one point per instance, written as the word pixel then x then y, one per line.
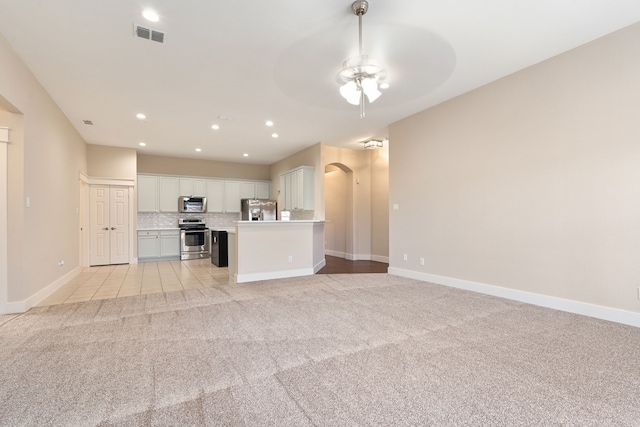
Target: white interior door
pixel 119 225
pixel 109 225
pixel 100 236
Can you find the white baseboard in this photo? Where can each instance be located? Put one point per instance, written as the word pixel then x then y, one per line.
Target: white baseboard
pixel 319 266
pixel 379 258
pixel 570 306
pixel 357 257
pixel 282 274
pixel 42 294
pixel 334 253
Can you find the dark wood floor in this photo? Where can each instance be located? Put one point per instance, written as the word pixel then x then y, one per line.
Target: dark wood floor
pixel 337 265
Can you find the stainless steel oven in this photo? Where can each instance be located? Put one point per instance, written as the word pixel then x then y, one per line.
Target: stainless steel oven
pixel 195 239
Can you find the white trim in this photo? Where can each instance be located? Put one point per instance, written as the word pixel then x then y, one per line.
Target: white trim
pixel 42 294
pixel 380 258
pixel 4 134
pixel 334 253
pixel 108 181
pixel 4 229
pixel 253 277
pixel 319 265
pixel 361 257
pixel 570 306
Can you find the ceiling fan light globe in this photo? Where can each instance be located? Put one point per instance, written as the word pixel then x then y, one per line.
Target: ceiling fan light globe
pixel 354 99
pixel 348 90
pixel 372 95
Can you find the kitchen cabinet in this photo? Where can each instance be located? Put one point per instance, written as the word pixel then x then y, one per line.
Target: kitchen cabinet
pixel 148 244
pixel 154 245
pixel 169 193
pixel 263 190
pixel 215 195
pixel 170 244
pixel 247 190
pixel 147 193
pixel 298 186
pixel 159 193
pixel 193 187
pixel 232 196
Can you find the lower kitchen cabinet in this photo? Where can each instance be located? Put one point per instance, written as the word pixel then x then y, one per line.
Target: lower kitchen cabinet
pixel 170 244
pixel 158 245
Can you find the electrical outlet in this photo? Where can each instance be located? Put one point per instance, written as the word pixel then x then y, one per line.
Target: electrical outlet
pixel 290 258
pixel 421 261
pixel 405 257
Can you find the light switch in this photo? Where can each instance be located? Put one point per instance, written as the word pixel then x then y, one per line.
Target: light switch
pixel 396 207
pixel 28 202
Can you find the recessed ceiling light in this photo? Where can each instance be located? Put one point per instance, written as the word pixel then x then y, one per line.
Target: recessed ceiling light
pixel 226 118
pixel 141 116
pixel 150 15
pixel 198 150
pixel 269 123
pixel 215 127
pixel 246 155
pixel 142 144
pixel 274 135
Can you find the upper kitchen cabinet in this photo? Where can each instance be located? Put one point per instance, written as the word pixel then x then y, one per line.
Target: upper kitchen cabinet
pixel 159 193
pixel 263 190
pixel 169 193
pixel 232 196
pixel 247 190
pixel 147 193
pixel 299 188
pixel 215 195
pixel 193 187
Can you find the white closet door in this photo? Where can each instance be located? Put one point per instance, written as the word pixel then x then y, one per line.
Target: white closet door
pixel 109 225
pixel 99 240
pixel 119 225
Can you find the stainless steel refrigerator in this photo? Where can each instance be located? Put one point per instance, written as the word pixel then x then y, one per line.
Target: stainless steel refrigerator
pixel 259 210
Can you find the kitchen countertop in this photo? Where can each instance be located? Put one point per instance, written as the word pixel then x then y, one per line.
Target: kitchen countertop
pixel 158 229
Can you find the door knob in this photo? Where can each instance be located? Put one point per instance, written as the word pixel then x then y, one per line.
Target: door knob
pixel 113 228
pixel 106 228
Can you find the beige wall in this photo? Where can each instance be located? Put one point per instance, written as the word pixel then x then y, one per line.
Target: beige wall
pixel 531 183
pixel 380 202
pixel 194 167
pixel 44 165
pixel 111 162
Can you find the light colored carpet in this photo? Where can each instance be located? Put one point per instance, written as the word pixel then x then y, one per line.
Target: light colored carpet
pixel 325 350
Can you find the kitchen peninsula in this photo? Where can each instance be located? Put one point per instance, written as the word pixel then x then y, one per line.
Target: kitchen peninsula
pixel 262 250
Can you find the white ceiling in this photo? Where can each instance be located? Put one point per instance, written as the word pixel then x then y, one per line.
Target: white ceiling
pixel 278 60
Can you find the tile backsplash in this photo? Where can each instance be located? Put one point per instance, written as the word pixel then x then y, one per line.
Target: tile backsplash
pixel 170 220
pixel 150 220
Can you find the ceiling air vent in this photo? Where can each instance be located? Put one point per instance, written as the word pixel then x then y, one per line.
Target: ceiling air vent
pixel 87 122
pixel 148 33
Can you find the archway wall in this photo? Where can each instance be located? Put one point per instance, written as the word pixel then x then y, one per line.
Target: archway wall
pixel 338 200
pixel 370 207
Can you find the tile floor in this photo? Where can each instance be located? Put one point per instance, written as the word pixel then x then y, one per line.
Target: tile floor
pixel 116 281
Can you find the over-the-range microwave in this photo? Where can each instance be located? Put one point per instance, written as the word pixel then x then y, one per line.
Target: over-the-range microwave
pixel 192 204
